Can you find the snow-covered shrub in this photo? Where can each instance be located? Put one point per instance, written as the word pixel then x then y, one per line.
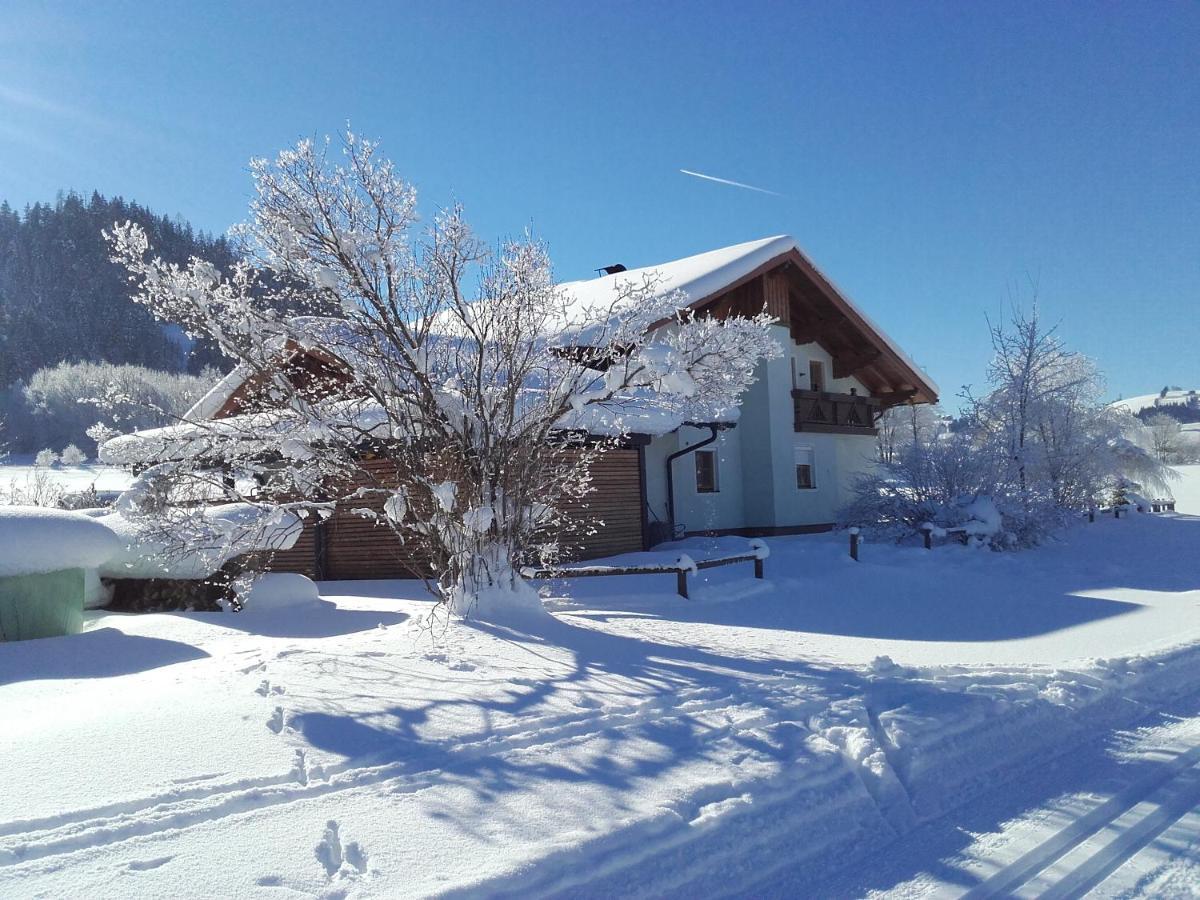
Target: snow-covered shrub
pixel 276 592
pixel 58 405
pixel 1040 445
pixel 37 488
pixel 45 459
pixel 465 369
pixel 925 483
pixel 73 456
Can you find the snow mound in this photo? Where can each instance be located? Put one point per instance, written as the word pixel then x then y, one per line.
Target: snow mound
pixel 277 591
pixel 35 540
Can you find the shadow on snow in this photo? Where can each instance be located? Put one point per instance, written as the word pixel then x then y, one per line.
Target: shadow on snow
pixel 101 653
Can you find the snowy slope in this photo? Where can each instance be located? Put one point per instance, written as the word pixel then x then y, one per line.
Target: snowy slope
pixel 1145 401
pixel 1186 489
pixel 636 745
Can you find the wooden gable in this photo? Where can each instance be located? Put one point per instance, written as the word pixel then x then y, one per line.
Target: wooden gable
pixel 309 371
pixel 791 289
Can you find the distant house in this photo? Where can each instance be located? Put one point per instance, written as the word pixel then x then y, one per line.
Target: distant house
pixel 781 464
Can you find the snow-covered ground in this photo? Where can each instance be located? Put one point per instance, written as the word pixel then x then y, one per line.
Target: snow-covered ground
pixel 19 470
pixel 766 737
pixel 1186 490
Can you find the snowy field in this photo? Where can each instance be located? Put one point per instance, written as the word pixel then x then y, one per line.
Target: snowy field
pixel 838 729
pixel 18 471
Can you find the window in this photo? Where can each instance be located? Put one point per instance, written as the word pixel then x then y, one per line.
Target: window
pixel 805 469
pixel 816 375
pixel 706 471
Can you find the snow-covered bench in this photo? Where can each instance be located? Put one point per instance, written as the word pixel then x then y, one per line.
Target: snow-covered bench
pixel 682 566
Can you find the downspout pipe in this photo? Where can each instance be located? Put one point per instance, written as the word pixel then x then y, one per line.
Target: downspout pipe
pixel 712 436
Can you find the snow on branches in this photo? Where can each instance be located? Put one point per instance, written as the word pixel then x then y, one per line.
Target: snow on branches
pixel 1040 445
pixel 465 368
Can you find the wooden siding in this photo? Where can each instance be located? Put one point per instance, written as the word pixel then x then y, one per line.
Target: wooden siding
pixel 776 290
pixel 358 548
pixel 616 500
pixel 302 557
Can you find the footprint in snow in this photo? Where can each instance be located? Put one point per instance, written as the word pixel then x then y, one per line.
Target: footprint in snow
pixel 275 723
pixel 265 688
pixel 144 865
pixel 338 861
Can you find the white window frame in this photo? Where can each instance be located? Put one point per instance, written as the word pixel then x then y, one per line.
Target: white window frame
pixel 716 472
pixel 805 456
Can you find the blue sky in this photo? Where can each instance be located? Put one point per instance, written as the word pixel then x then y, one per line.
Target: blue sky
pixel 932 158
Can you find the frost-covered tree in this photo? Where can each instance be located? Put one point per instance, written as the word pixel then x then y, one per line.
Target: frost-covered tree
pixel 59 403
pixel 45 459
pixel 73 456
pixel 1166 436
pixel 903 425
pixel 1040 444
pixel 463 367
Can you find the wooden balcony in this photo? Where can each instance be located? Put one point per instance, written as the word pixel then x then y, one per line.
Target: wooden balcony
pixel 827 413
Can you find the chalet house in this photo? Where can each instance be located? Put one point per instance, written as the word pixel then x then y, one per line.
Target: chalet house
pixel 781 464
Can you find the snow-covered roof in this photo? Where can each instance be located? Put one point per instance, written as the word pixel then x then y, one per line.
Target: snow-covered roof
pixel 210 404
pixel 707 274
pixel 283 432
pixel 696 276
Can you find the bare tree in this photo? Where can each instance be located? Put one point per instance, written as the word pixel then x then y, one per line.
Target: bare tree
pixel 1166 436
pixel 464 368
pixel 1040 444
pixel 905 425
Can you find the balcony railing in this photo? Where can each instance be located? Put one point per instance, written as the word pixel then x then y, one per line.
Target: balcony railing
pixel 829 413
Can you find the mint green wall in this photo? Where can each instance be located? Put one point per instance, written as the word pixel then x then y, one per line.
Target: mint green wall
pixel 38 606
pixel 757 458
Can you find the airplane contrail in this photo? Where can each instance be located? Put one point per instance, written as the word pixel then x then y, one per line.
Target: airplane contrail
pixel 740 184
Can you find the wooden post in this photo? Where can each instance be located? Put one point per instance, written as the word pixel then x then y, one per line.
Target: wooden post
pixel 758 568
pixel 1116 510
pixel 1091 514
pixel 928 539
pixel 681 583
pixel 854 544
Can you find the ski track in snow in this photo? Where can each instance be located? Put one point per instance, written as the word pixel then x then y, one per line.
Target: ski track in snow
pixel 673 853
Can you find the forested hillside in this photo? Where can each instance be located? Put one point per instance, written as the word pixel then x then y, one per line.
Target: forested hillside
pixel 62 300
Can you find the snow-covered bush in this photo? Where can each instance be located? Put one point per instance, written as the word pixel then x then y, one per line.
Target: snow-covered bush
pixel 1039 445
pixel 73 456
pixel 276 592
pixel 464 368
pixel 38 488
pixel 45 459
pixel 59 404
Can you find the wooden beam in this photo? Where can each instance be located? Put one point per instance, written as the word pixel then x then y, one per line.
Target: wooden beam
pixel 896 397
pixel 813 330
pixel 847 365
